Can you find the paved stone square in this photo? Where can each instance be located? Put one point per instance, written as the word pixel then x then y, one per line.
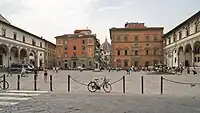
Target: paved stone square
pixel 133 82
pixel 177 98
pixel 106 103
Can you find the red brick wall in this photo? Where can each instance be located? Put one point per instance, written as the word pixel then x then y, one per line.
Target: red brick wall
pixel 141 34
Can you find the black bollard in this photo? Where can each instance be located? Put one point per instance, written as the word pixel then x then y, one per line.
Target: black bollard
pixel 142 84
pixel 51 83
pixel 124 84
pixel 161 85
pixel 4 81
pixel 35 81
pixel 18 82
pixel 68 83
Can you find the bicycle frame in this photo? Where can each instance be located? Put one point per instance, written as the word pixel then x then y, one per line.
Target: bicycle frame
pixel 104 82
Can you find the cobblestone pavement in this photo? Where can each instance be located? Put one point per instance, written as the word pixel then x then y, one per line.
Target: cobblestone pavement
pixel 133 82
pixel 177 98
pixel 106 103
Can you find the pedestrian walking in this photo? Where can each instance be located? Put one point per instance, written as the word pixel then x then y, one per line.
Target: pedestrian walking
pixel 23 72
pixel 45 74
pixel 194 71
pixel 56 69
pixel 188 70
pixel 53 69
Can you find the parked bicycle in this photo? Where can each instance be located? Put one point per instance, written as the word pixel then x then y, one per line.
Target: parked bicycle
pixel 2 84
pixel 93 86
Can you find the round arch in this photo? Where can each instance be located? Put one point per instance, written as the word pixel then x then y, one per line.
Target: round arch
pixel 33 58
pixel 3 55
pixel 188 55
pixel 23 55
pixel 196 53
pixel 14 55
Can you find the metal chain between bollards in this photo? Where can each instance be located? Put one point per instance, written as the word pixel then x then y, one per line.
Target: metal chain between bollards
pixel 78 81
pixel 187 83
pixel 116 81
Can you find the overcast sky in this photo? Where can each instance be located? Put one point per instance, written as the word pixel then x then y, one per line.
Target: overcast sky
pixel 50 18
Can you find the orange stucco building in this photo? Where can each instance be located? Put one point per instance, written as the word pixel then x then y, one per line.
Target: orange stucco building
pixel 136 45
pixel 76 49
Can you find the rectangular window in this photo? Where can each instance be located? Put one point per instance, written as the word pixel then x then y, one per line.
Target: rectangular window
pixel 3 32
pixel 136 52
pixel 40 44
pixel 147 38
pixel 15 36
pixel 187 31
pixel 169 40
pixel 174 38
pixel 125 38
pixel 198 59
pixel 118 38
pixel 147 52
pixel 24 40
pixel 83 41
pixel 125 63
pixel 180 34
pixel 33 42
pixel 136 38
pixel 74 48
pixel 118 52
pixel 175 59
pixel 126 52
pixel 195 59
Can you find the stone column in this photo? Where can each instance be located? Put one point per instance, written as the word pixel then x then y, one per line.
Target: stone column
pixel 8 56
pixel 19 56
pixel 192 58
pixel 27 57
pixel 184 59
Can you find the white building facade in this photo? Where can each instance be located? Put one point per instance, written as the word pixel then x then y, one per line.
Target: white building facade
pixel 19 46
pixel 182 44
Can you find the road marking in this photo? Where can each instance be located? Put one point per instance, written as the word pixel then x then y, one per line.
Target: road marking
pixel 13 98
pixel 26 91
pixel 8 103
pixel 19 94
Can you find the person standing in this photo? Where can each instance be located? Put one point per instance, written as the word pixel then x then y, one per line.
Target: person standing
pixel 45 74
pixel 23 71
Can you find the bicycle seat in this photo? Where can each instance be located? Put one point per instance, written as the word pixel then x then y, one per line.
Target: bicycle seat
pixel 96 79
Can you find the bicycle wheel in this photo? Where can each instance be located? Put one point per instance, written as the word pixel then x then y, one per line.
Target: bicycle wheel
pixel 6 85
pixel 107 87
pixel 92 86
